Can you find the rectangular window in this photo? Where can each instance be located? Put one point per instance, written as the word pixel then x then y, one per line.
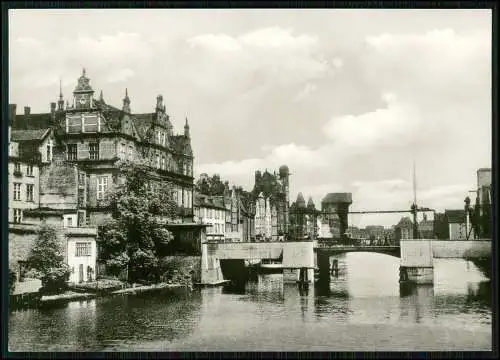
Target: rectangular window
pixel 29 192
pixel 102 186
pixel 74 125
pixel 91 124
pixel 123 150
pixel 17 191
pixel 81 179
pixel 163 162
pixel 130 152
pixel 18 216
pixel 69 222
pixel 94 151
pixel 29 170
pixel 81 198
pixel 81 218
pixel 72 152
pixel 157 161
pixel 83 249
pixel 17 167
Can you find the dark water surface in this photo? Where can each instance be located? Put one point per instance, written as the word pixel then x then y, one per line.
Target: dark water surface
pixel 364 309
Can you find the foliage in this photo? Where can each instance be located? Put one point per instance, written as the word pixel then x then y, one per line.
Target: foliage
pixel 213 186
pixel 12 281
pixel 137 236
pixel 46 261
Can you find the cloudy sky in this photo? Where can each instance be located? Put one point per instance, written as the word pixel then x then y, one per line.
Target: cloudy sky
pixel 348 99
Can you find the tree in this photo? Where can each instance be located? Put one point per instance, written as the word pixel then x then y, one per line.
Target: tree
pixel 46 261
pixel 136 236
pixel 12 281
pixel 213 186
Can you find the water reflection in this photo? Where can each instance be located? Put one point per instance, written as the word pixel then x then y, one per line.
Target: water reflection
pixel 360 309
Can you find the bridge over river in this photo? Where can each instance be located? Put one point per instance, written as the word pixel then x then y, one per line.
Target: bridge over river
pixel 416 256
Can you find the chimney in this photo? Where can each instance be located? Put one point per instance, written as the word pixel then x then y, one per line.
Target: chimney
pixel 27 110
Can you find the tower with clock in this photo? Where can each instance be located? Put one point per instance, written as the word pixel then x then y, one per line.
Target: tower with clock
pixel 83 93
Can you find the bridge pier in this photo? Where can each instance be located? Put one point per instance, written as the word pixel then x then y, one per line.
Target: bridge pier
pixel 298 261
pixel 211 272
pixel 323 260
pixel 416 262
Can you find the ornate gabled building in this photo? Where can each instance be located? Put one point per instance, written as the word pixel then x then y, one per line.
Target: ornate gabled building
pixel 271 199
pixel 304 219
pixel 96 136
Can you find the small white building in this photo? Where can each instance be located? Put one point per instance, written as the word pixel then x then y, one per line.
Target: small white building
pixel 81 252
pixel 210 210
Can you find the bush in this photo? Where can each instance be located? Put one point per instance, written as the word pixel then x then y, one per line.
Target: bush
pixel 56 280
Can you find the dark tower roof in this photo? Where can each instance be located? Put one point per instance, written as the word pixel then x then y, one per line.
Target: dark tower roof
pixel 284 171
pixel 336 198
pixel 310 203
pixel 300 201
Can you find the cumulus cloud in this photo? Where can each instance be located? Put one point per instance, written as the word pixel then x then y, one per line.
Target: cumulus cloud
pixel 274 54
pixel 392 125
pixel 345 113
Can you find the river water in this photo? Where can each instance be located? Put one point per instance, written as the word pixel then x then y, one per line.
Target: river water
pixel 364 309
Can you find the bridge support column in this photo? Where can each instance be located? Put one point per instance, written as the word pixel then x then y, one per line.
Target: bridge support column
pixel 416 262
pixel 211 272
pixel 297 257
pixel 323 267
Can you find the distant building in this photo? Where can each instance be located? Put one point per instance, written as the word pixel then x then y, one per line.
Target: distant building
pixel 403 230
pixel 442 230
pixel 271 201
pixel 457 225
pixel 335 208
pixel 426 228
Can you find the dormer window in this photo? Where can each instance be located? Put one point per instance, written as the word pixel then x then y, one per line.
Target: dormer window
pixel 91 123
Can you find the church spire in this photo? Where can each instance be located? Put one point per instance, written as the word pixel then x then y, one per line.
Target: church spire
pixel 60 103
pixel 186 129
pixel 126 102
pixel 101 97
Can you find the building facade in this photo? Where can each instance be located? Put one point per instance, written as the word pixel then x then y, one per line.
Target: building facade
pixel 211 211
pixel 271 201
pixel 97 136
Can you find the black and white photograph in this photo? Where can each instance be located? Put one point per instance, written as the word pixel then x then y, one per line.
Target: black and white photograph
pixel 251 180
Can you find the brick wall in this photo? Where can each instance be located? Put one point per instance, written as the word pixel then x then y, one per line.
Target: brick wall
pixel 21 240
pixel 59 186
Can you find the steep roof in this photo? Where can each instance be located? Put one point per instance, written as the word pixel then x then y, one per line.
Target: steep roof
pixel 300 201
pixel 216 202
pixel 32 121
pixel 338 198
pixel 455 216
pixel 29 135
